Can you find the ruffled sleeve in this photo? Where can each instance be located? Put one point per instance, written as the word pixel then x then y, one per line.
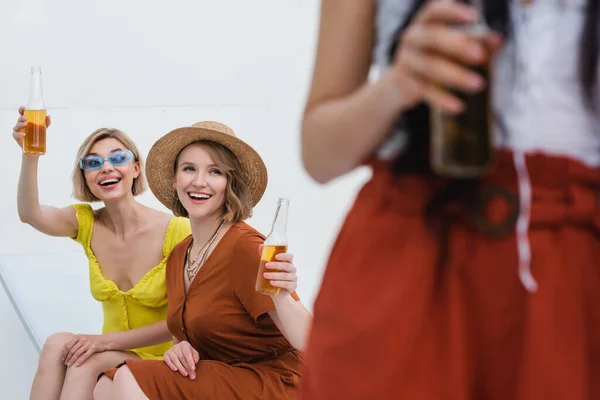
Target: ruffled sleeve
pixel 85 224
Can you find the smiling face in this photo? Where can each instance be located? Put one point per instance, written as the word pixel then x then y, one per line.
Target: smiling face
pixel 111 182
pixel 118 139
pixel 200 183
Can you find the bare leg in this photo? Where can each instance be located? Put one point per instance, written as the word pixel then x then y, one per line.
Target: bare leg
pixel 123 387
pixel 80 381
pixel 50 375
pixel 104 389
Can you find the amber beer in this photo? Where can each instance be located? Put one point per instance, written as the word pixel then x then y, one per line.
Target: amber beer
pixel 35 111
pixel 275 243
pixel 462 145
pixel 35 132
pixel 263 285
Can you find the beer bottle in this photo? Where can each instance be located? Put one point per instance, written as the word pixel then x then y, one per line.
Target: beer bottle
pixel 275 243
pixel 35 111
pixel 462 144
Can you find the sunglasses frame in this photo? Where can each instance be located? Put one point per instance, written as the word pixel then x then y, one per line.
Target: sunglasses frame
pixel 130 157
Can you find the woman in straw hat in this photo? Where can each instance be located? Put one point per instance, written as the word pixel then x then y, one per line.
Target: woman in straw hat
pixel 231 342
pixel 127 245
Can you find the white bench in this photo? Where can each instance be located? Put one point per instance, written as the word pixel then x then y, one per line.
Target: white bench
pixel 50 293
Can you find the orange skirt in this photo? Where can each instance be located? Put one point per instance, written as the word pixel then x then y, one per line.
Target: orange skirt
pixel 390 323
pixel 266 380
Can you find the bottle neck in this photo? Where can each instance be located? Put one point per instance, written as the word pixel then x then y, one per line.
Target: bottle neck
pixel 36 101
pixel 280 221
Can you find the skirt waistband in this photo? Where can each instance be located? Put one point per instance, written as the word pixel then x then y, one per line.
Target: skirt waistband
pixel 563 191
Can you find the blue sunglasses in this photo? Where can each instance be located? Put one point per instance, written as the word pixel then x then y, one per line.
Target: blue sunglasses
pixel 116 159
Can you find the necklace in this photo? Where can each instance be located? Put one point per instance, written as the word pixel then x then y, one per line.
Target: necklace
pixel 192 266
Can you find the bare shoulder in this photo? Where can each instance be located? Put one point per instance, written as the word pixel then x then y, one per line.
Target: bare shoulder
pixel 158 219
pixel 98 213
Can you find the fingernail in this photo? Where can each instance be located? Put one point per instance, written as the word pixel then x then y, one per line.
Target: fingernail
pixel 476 51
pixel 475 81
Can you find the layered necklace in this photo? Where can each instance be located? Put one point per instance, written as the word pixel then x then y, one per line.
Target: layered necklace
pixel 192 266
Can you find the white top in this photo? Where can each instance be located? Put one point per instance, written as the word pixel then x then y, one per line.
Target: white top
pixel 536 89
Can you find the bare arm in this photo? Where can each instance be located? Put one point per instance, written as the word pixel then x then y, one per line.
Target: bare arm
pixel 346 117
pixel 46 219
pixel 290 316
pixel 78 350
pixel 292 319
pixel 149 335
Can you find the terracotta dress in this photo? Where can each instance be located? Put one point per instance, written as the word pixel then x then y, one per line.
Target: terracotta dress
pixel 390 323
pixel 243 355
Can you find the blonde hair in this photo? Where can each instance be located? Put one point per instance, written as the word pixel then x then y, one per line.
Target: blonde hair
pixel 81 191
pixel 238 202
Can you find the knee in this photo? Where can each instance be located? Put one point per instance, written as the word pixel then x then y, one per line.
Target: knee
pixel 53 347
pixel 55 342
pixel 123 382
pixel 123 376
pixel 103 389
pixel 90 369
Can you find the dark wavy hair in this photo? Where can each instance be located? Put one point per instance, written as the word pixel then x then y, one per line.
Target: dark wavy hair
pixel 415 122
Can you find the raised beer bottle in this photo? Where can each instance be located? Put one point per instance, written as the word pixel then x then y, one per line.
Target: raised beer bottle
pixel 274 244
pixel 462 144
pixel 35 111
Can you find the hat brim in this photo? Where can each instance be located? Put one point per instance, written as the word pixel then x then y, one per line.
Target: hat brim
pixel 161 159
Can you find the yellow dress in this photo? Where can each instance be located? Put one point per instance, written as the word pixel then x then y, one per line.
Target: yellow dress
pixel 143 304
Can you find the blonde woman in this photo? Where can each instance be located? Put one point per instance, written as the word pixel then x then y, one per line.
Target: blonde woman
pixel 127 245
pixel 231 342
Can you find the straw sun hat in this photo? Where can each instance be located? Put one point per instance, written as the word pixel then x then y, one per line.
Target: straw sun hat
pixel 160 163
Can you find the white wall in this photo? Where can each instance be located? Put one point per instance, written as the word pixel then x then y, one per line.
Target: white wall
pixel 147 67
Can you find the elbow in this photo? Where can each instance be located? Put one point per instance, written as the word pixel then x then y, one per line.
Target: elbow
pixel 313 159
pixel 322 168
pixel 29 217
pixel 313 169
pixel 324 158
pixel 25 217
